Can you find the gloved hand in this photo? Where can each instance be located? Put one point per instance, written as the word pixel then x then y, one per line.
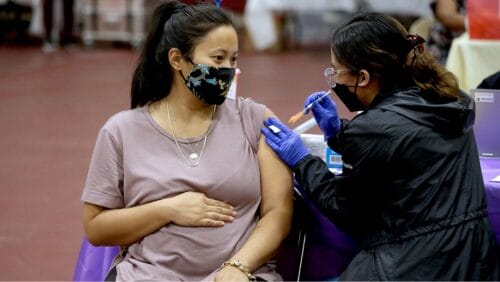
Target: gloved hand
pixel 325 113
pixel 284 142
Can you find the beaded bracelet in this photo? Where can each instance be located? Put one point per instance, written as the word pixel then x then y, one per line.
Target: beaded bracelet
pixel 239 265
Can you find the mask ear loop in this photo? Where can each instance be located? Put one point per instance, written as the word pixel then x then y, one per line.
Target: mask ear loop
pixel 356 86
pixel 183 78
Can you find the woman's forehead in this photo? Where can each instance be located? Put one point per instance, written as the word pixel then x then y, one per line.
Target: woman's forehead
pixel 223 38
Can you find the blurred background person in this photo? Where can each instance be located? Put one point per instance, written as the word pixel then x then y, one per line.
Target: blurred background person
pixel 490 82
pixel 449 23
pixel 65 35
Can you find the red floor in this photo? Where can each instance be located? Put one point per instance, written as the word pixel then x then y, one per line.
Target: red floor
pixel 51 108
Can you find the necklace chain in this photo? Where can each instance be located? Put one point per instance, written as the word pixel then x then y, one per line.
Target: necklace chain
pixel 194 158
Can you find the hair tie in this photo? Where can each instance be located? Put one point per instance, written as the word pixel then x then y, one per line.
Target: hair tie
pixel 416 40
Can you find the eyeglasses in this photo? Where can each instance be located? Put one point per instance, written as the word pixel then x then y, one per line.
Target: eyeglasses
pixel 331 75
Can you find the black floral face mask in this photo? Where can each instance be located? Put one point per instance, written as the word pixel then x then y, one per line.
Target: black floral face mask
pixel 210 84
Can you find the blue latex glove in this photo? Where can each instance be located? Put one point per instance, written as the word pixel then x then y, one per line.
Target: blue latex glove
pixel 325 113
pixel 284 142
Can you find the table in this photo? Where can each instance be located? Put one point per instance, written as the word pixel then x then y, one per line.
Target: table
pixel 491 169
pixel 259 18
pixel 472 60
pixel 329 245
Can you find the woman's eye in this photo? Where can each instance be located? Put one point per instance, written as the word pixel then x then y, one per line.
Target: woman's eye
pixel 219 58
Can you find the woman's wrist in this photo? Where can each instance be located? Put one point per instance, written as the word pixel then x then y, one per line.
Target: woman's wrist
pixel 236 263
pixel 166 212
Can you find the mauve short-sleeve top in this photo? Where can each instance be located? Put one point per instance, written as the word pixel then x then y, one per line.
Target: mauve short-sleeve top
pixel 135 161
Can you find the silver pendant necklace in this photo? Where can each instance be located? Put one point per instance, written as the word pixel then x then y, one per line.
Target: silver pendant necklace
pixel 193 158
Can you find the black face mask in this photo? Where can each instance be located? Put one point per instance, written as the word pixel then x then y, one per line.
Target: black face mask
pixel 349 99
pixel 210 84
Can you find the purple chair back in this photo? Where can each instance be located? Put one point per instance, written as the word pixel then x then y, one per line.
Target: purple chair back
pixel 93 262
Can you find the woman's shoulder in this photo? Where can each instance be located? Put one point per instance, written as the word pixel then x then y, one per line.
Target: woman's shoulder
pixel 252 116
pixel 248 104
pixel 246 107
pixel 249 101
pixel 124 118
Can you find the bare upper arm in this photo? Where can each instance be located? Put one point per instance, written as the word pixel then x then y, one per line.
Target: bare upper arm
pixel 276 178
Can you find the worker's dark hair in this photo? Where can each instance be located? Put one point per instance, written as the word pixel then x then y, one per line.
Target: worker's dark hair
pixel 382 46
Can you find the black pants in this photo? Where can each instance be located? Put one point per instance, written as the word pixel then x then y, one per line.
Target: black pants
pixel 48 18
pixel 111 275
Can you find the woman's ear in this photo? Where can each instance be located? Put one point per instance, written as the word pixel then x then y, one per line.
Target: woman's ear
pixel 175 58
pixel 364 78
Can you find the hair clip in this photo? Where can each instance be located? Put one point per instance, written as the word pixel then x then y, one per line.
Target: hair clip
pixel 416 41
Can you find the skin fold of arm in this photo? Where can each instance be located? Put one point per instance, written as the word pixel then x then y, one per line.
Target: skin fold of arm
pixel 275 210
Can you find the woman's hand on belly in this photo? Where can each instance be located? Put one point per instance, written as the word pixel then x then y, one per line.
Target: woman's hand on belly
pixel 194 209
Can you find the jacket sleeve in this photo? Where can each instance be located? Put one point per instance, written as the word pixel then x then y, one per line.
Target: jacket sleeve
pixel 314 177
pixel 327 193
pixel 348 199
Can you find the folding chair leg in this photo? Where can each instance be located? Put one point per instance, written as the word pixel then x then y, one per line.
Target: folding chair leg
pixel 302 240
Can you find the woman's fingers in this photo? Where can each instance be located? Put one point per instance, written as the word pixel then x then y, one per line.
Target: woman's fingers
pixel 218 211
pixel 219 216
pixel 216 203
pixel 196 209
pixel 221 210
pixel 207 222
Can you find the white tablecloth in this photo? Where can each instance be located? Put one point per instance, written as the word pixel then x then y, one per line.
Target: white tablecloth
pixel 472 60
pixel 262 30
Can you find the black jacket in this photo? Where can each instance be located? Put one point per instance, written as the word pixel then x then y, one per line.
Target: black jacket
pixel 411 193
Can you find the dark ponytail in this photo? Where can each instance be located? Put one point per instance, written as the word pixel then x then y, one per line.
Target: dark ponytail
pixel 429 75
pixel 174 25
pixel 380 44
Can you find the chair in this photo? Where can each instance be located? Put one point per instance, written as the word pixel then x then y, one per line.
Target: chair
pixel 93 262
